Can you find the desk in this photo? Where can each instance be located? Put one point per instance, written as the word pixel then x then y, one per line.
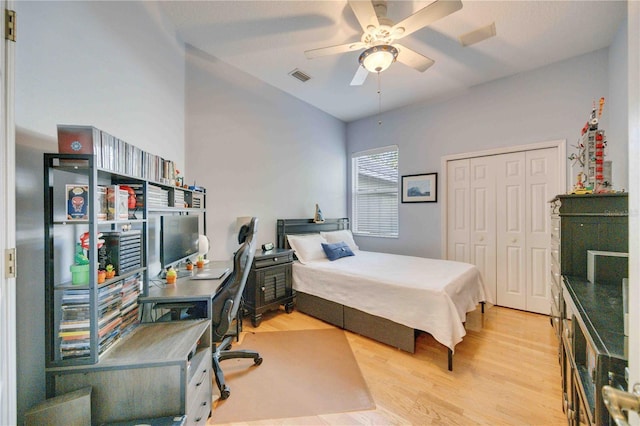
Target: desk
pixel 186 290
pixel 158 370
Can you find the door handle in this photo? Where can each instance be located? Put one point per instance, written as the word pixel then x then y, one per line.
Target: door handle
pixel 617 400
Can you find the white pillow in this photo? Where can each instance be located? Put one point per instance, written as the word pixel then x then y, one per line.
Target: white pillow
pixel 338 236
pixel 308 247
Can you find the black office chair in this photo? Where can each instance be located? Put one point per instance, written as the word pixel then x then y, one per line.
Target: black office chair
pixel 226 305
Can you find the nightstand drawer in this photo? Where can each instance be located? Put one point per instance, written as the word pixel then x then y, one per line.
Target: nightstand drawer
pixel 276 259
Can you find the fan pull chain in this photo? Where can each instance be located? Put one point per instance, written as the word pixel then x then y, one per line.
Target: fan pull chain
pixel 379 102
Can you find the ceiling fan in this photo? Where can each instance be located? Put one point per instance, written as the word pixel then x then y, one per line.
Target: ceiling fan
pixel 380 34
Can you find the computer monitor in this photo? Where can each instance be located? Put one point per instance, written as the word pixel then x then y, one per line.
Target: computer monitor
pixel 179 236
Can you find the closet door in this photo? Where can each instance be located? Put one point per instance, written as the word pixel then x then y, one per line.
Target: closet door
pixel 511 230
pixel 482 199
pixel 525 183
pixel 458 210
pixel 541 186
pixel 498 220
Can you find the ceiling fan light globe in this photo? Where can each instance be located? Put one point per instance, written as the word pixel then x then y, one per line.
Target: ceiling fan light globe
pixel 378 58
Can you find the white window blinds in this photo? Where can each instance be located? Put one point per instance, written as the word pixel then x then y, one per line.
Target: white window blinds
pixel 375 192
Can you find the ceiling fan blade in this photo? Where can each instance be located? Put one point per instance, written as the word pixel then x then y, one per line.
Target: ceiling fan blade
pixel 413 59
pixel 425 16
pixel 365 13
pixel 360 76
pixel 333 50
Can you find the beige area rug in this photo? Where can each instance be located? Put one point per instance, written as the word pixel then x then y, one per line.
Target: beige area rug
pixel 304 373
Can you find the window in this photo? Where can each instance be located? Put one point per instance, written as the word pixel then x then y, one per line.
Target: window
pixel 375 192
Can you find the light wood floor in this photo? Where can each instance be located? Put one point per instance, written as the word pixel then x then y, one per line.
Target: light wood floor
pixel 505 372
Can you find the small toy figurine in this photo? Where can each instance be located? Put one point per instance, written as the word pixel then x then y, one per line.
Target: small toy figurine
pixel 111 272
pixel 80 257
pixel 579 187
pixel 318 218
pixel 172 275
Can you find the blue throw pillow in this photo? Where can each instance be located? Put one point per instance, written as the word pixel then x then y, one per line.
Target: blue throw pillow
pixel 337 250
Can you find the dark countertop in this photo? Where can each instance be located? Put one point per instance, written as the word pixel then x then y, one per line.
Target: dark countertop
pixel 599 308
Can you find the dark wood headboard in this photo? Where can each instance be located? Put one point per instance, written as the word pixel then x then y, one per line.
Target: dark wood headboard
pixel 306 226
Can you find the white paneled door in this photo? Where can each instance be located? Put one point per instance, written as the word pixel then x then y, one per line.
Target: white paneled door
pixel 541 187
pixel 458 231
pixel 483 218
pixel 511 234
pixel 504 200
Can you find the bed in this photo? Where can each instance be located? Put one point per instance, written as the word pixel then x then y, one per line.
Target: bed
pixel 382 296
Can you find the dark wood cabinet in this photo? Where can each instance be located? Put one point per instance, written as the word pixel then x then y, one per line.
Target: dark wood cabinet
pixel 269 284
pixel 595 347
pixel 591 222
pixel 587 316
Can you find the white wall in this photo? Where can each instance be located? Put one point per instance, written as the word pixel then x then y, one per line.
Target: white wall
pixel 616 108
pixel 258 152
pixel 109 64
pixel 549 103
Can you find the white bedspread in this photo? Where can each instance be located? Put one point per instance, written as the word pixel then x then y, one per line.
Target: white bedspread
pixel 426 294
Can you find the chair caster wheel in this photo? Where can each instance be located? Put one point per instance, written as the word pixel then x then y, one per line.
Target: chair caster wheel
pixel 257 361
pixel 288 308
pixel 224 394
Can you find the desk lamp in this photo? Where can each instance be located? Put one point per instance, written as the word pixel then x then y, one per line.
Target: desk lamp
pixel 203 246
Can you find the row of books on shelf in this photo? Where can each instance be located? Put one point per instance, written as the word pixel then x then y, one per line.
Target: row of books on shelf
pixel 112 202
pixel 114 154
pixel 162 197
pixel 157 197
pixel 116 202
pixel 117 316
pixel 129 304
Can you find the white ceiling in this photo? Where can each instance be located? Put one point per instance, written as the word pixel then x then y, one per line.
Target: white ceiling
pixel 267 39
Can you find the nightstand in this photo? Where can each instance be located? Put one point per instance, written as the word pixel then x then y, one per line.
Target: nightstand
pixel 269 284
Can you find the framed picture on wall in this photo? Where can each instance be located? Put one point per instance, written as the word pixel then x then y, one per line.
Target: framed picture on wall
pixel 421 188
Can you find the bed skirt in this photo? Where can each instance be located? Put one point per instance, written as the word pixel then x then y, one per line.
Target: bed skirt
pixel 374 327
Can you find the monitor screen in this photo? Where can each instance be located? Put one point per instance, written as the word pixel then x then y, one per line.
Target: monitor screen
pixel 178 238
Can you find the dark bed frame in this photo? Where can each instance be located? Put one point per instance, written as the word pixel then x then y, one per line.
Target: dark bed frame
pixel 374 327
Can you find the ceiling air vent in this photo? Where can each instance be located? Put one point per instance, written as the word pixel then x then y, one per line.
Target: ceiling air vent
pixel 299 75
pixel 478 35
